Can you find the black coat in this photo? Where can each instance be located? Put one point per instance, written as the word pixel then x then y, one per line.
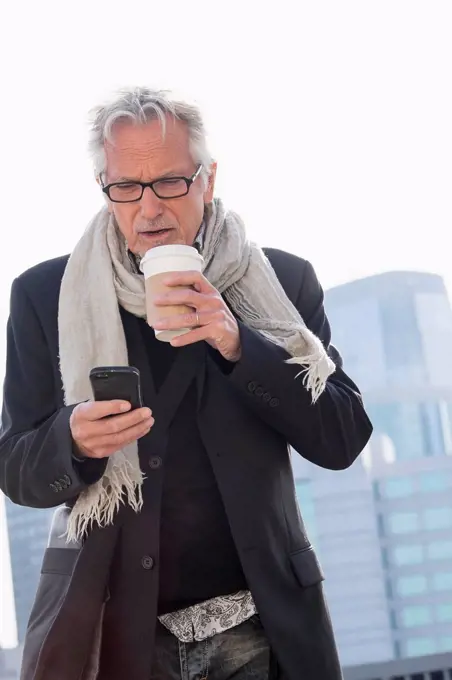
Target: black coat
pixel 247 417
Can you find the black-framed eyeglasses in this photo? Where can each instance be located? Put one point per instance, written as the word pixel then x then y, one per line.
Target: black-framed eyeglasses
pixel 167 187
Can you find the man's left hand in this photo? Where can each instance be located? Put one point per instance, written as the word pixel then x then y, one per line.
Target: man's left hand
pixel 211 319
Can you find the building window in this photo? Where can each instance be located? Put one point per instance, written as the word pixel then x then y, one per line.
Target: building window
pixel 420 646
pixel 401 336
pixel 440 550
pixel 404 522
pixel 411 585
pixel 389 589
pixel 433 481
pixel 433 429
pixel 402 424
pixel 438 518
pixel 445 644
pixel 408 554
pixel 397 487
pixel 393 620
pixel 444 612
pixel 417 615
pixel 376 488
pixel 443 581
pixel 381 525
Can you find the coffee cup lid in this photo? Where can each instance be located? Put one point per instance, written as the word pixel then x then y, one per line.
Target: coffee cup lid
pixel 178 250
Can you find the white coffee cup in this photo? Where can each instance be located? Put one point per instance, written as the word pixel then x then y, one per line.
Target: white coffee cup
pixel 155 265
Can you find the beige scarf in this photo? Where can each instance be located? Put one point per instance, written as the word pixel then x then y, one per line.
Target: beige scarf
pixel 91 333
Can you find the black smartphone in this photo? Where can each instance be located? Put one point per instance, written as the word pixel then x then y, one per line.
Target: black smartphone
pixel 117 382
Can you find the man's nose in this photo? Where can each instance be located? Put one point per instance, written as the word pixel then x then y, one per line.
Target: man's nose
pixel 151 205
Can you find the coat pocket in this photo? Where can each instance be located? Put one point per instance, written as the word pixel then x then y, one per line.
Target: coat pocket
pixel 56 574
pixel 307 567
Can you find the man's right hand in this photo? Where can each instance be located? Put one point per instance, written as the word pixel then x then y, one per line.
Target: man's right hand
pixel 99 437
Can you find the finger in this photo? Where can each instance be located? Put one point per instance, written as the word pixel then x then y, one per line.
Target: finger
pixel 94 410
pixel 196 335
pixel 182 296
pixel 87 429
pixel 193 319
pixel 116 424
pixel 191 278
pixel 114 442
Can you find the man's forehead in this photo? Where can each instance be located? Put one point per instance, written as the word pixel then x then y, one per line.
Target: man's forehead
pixel 138 150
pixel 126 135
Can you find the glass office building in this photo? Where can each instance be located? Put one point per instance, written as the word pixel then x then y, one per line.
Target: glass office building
pixel 28 531
pixel 384 528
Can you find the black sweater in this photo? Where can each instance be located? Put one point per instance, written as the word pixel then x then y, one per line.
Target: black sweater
pixel 198 558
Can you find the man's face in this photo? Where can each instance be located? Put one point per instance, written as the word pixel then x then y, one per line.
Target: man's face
pixel 142 153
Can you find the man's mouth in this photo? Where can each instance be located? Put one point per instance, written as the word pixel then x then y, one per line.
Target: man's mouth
pixel 154 232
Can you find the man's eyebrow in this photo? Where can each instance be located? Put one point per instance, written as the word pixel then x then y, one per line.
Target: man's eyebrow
pixel 171 173
pixel 125 179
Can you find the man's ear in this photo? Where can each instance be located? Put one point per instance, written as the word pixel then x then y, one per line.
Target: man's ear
pixel 106 199
pixel 209 192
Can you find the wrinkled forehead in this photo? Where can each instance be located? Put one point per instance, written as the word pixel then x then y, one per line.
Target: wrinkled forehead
pixel 139 149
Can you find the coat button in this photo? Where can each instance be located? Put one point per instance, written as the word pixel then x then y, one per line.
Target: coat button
pixel 67 480
pixel 53 487
pixel 147 562
pixel 252 386
pixel 57 485
pixel 259 391
pixel 274 403
pixel 266 397
pixel 155 462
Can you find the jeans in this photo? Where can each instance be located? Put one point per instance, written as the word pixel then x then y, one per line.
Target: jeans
pixel 241 653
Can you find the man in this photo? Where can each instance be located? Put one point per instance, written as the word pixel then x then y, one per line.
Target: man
pixel 187 557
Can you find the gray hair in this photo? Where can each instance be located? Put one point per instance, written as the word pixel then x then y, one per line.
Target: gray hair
pixel 140 105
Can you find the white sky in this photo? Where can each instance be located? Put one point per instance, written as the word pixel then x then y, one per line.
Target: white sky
pixel 331 122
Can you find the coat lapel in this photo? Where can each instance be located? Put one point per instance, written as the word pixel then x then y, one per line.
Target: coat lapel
pixel 189 364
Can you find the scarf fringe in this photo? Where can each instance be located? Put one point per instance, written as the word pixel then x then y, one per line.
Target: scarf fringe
pixel 317 366
pixel 316 371
pixel 99 504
